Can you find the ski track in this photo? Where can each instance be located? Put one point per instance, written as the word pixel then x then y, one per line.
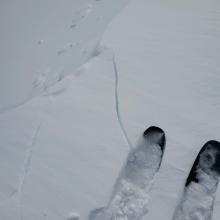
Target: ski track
pixel 27 162
pixel 26 167
pixel 117 104
pixel 127 201
pixel 12 195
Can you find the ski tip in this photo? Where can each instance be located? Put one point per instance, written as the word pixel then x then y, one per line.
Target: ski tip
pixel 215 145
pixel 155 135
pixel 208 159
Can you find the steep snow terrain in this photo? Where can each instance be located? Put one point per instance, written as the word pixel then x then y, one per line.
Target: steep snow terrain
pixel 62 151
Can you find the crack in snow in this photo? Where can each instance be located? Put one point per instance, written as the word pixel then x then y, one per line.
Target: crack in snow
pixel 117 104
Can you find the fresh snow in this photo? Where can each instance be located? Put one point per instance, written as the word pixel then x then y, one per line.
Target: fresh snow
pixel 130 196
pixel 200 189
pixel 45 40
pixel 74 101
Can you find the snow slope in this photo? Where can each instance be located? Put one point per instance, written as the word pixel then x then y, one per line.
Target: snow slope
pixel 43 41
pixel 55 146
pixel 169 76
pixel 62 151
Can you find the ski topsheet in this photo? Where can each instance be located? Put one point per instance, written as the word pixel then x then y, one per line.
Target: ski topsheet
pixel 131 191
pixel 200 188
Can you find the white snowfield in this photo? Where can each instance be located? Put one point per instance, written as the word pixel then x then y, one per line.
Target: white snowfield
pixel 62 151
pixel 43 41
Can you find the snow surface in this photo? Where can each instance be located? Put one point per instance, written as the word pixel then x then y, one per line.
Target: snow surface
pixel 129 199
pixel 42 41
pixel 199 197
pixel 62 151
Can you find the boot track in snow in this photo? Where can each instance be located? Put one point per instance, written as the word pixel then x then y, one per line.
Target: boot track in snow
pixel 200 188
pixel 130 196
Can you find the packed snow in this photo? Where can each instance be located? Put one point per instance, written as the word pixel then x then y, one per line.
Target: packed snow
pixel 78 89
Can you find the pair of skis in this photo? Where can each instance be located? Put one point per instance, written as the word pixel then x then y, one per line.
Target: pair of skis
pixel 130 196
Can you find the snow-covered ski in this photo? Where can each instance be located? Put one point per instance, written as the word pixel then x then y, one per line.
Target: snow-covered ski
pixel 131 191
pixel 200 188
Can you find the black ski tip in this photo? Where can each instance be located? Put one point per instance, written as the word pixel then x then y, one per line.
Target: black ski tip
pixel 156 135
pixel 208 158
pixel 215 145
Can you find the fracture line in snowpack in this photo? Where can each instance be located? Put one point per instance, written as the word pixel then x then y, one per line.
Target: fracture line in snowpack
pixel 117 104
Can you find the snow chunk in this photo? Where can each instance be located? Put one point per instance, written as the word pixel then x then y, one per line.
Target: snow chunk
pixel 73 216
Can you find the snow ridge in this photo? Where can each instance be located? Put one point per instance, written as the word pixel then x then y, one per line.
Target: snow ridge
pixel 117 104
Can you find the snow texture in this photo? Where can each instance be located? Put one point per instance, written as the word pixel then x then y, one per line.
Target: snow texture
pixel 73 216
pixel 131 192
pixel 45 39
pixel 70 112
pixel 199 194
